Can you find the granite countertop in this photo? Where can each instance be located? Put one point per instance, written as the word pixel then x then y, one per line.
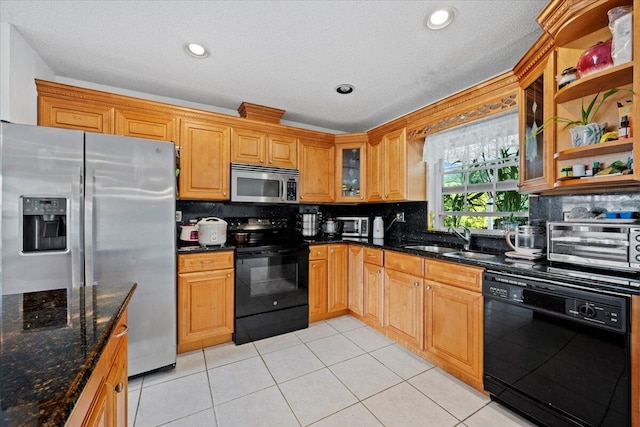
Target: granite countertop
pixel 50 343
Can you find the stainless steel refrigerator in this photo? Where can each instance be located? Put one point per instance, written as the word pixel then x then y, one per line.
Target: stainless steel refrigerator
pixel 82 208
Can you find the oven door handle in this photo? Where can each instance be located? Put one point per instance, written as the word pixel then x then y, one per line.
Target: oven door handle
pixel 298 251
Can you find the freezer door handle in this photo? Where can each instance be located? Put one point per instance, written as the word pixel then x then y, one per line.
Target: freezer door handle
pixel 89 228
pixel 75 236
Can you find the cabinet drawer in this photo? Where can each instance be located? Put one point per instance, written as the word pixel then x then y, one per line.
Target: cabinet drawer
pixel 373 256
pixel 454 274
pixel 409 264
pixel 318 252
pixel 205 261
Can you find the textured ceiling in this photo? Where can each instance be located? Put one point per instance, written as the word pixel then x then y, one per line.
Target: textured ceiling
pixel 284 54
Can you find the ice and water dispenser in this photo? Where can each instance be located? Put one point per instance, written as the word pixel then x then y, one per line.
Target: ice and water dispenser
pixel 44 224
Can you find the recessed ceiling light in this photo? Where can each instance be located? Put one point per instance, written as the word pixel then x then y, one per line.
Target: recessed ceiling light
pixel 196 50
pixel 344 89
pixel 440 18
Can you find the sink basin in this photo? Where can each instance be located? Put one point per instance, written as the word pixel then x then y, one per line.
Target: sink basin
pixel 431 248
pixel 470 255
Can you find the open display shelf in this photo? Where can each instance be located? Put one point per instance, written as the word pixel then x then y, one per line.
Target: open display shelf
pixel 610 147
pixel 616 76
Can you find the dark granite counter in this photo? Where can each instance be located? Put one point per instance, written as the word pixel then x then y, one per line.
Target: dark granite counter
pixel 191 248
pixel 50 343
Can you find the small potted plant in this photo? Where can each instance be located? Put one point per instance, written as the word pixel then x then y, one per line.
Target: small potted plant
pixel 585 131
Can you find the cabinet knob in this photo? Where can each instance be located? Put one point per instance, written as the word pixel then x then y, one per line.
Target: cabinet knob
pixel 302 197
pixel 428 287
pixel 379 271
pixel 261 161
pixel 318 253
pixel 361 198
pixel 386 195
pixel 224 193
pixel 119 387
pixel 313 265
pixel 228 275
pixel 416 284
pixel 332 250
pixel 270 161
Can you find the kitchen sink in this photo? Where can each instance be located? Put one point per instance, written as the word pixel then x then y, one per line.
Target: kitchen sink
pixel 432 248
pixel 469 255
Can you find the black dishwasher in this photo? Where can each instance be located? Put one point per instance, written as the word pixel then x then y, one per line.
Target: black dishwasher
pixel 558 354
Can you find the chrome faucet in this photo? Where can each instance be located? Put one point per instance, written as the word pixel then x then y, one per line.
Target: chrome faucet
pixel 466 238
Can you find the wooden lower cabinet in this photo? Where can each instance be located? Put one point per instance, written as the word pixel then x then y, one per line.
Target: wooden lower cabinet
pixel 373 294
pixel 205 299
pixel 356 279
pixel 328 273
pixel 338 274
pixel 454 320
pixel 404 307
pixel 103 401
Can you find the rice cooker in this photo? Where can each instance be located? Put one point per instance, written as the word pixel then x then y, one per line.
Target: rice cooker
pixel 211 231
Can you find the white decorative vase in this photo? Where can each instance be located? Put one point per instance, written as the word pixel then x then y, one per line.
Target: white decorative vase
pixel 587 134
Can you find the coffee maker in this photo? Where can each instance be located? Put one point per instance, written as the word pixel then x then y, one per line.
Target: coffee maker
pixel 44 224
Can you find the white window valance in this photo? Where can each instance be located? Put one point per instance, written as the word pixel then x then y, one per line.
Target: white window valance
pixel 469 142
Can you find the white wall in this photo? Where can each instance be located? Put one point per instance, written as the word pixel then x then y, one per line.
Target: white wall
pixel 20 66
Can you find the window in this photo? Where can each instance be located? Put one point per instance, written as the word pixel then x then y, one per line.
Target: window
pixel 473 175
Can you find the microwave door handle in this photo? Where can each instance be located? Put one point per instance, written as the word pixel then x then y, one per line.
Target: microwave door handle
pixel 283 196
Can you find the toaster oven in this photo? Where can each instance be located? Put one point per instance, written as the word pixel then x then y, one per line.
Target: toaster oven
pixel 595 244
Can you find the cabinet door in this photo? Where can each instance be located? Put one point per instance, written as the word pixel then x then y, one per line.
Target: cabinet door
pixel 248 146
pixel 205 307
pixel 117 389
pixel 316 160
pixel 351 172
pixel 375 175
pixel 138 124
pixel 98 417
pixel 338 289
pixel 75 115
pixel 282 151
pixel 403 306
pixel 395 165
pixel 454 327
pixel 356 279
pixel 373 294
pixel 317 289
pixel 204 161
pixel 536 159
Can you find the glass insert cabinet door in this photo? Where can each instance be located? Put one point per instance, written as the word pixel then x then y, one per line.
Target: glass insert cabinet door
pixel 351 160
pixel 536 146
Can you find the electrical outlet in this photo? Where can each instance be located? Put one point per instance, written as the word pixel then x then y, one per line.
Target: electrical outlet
pixel 178 216
pixel 400 217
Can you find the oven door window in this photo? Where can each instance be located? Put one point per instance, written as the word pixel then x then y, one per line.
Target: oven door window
pixel 269 282
pixel 575 368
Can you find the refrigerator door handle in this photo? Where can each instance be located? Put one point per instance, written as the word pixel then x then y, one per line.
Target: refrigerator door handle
pixel 89 226
pixel 75 236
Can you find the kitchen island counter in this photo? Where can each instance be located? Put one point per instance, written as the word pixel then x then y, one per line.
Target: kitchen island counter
pixel 50 344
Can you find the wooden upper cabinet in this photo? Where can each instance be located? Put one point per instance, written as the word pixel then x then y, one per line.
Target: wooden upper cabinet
pixel 351 167
pixel 204 161
pixel 396 169
pixel 258 148
pixel 316 162
pixel 282 151
pixel 142 124
pixel 375 175
pixel 78 115
pixel 248 146
pixel 537 87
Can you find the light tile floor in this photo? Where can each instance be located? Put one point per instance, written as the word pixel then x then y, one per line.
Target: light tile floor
pixel 337 372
